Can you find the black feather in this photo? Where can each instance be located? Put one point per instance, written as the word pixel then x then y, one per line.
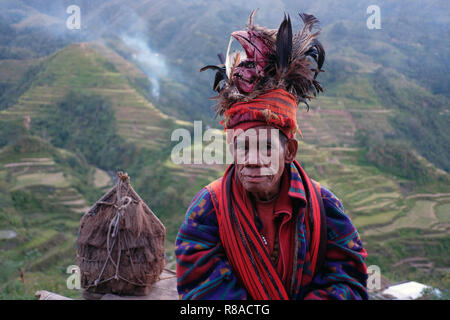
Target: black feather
pixel 316 52
pixel 320 53
pixel 213 67
pixel 308 20
pixel 284 43
pixel 221 74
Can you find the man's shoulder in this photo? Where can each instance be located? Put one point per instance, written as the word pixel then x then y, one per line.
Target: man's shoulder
pixel 201 206
pixel 339 223
pixel 328 197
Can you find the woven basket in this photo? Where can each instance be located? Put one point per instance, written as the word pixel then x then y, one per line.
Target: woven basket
pixel 120 247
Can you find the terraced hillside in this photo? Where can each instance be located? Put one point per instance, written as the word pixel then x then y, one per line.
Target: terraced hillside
pixel 43 193
pixel 45 190
pixel 79 67
pixel 95 69
pixel 403 221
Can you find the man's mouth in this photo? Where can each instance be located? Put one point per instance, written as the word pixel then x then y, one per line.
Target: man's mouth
pixel 255 178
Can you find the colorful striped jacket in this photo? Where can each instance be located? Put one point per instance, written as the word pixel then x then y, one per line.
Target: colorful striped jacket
pixel 203 271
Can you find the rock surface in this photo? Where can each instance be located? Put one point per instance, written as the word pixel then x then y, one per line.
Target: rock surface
pixel 164 289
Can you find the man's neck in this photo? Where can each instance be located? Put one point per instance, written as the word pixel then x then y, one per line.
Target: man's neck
pixel 265 199
pixel 268 196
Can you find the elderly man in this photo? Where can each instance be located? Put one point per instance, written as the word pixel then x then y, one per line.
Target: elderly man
pixel 265 230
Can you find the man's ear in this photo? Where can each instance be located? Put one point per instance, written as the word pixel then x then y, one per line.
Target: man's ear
pixel 290 150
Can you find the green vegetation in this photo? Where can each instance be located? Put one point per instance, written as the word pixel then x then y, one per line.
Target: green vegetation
pixel 10 131
pixel 85 123
pixel 12 94
pixel 394 157
pixel 47 170
pixel 45 223
pixel 421 118
pixel 403 227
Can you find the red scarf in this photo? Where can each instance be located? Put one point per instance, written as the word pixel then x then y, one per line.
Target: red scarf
pixel 242 242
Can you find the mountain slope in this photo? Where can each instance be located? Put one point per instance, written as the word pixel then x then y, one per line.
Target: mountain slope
pixel 79 101
pixel 44 191
pixel 410 47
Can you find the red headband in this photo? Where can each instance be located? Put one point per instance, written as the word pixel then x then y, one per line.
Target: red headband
pixel 276 108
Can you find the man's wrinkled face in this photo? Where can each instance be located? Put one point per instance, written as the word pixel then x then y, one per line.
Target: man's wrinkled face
pixel 259 156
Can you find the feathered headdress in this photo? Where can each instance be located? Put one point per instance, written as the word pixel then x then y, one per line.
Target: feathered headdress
pixel 272 59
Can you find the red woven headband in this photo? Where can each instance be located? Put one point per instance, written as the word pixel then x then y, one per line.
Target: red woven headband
pixel 276 108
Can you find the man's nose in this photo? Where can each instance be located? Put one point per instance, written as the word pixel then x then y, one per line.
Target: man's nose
pixel 254 159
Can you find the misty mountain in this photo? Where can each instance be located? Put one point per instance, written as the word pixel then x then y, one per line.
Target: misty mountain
pixel 171 41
